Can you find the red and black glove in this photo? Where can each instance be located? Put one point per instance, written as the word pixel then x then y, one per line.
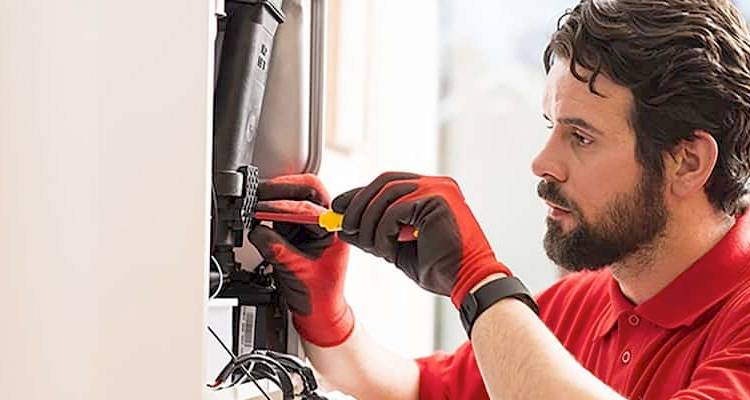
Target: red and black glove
pixel 309 263
pixel 450 255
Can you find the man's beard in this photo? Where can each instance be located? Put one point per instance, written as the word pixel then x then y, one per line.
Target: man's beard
pixel 631 224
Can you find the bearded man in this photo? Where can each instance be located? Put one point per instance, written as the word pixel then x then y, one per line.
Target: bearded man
pixel 644 172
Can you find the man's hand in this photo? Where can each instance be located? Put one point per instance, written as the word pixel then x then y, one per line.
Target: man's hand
pixel 309 263
pixel 451 254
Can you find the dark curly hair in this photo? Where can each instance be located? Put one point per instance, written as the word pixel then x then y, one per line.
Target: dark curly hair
pixel 687 63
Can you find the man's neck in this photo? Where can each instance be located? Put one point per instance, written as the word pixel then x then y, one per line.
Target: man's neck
pixel 686 239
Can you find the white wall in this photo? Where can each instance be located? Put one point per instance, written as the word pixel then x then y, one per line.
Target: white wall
pixel 492 127
pixel 104 138
pixel 384 118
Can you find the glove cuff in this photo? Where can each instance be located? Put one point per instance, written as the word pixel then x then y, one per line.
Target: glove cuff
pixel 470 277
pixel 325 331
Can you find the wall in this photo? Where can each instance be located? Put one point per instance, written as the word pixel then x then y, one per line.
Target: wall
pixel 382 93
pixel 492 81
pixel 104 140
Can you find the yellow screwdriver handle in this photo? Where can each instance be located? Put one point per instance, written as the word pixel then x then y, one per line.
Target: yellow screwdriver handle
pixel 331 221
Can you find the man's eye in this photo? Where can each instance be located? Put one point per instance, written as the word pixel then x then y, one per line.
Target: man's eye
pixel 581 140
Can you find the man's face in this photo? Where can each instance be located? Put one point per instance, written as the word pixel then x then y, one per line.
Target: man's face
pixel 603 206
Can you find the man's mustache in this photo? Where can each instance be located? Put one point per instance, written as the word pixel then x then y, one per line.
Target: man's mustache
pixel 551 192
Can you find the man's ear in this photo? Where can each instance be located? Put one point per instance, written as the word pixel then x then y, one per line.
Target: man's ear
pixel 691 163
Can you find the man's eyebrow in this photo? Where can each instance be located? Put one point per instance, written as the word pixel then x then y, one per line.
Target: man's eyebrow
pixel 577 122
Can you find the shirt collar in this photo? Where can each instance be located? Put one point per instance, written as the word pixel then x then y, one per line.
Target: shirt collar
pixel 707 282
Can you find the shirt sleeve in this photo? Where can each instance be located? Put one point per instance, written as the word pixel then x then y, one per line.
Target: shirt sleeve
pixel 451 376
pixel 724 375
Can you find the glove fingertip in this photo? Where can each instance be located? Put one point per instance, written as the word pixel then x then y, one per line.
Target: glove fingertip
pixel 348 238
pixel 262 234
pixel 265 240
pixel 342 201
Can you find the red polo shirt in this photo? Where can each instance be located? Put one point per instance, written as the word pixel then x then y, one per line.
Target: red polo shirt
pixel 689 342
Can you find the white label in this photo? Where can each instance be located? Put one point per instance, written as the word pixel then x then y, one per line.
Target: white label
pixel 246 339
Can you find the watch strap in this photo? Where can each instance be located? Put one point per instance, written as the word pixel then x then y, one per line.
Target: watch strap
pixel 474 304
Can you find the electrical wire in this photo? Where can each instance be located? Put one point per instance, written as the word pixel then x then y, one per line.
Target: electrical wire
pixel 234 358
pixel 214 217
pixel 257 374
pixel 214 231
pixel 221 278
pixel 261 366
pixel 265 360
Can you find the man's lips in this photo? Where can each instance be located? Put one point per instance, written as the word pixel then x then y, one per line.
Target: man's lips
pixel 556 211
pixel 553 205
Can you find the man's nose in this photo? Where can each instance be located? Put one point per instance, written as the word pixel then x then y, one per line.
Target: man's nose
pixel 548 164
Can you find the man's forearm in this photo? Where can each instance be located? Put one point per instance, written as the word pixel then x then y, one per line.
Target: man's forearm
pixel 519 358
pixel 364 369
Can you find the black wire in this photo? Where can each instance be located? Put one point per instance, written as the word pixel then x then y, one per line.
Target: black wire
pixel 287 383
pixel 264 375
pixel 296 366
pixel 234 358
pixel 215 217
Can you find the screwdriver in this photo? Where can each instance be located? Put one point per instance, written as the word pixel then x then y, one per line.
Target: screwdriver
pixel 329 220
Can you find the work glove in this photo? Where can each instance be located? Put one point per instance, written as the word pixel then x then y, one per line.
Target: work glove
pixel 450 254
pixel 309 263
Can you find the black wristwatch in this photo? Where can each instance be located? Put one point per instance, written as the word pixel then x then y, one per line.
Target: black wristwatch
pixel 476 303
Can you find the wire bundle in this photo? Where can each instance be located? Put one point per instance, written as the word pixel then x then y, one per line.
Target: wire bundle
pixel 281 369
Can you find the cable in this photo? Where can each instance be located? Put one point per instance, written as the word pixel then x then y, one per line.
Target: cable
pixel 214 228
pixel 234 358
pixel 294 365
pixel 258 375
pixel 215 217
pixel 287 384
pixel 221 278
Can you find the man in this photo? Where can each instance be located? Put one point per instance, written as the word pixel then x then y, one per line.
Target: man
pixel 644 172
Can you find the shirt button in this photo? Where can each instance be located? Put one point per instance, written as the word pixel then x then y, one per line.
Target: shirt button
pixel 633 320
pixel 626 356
